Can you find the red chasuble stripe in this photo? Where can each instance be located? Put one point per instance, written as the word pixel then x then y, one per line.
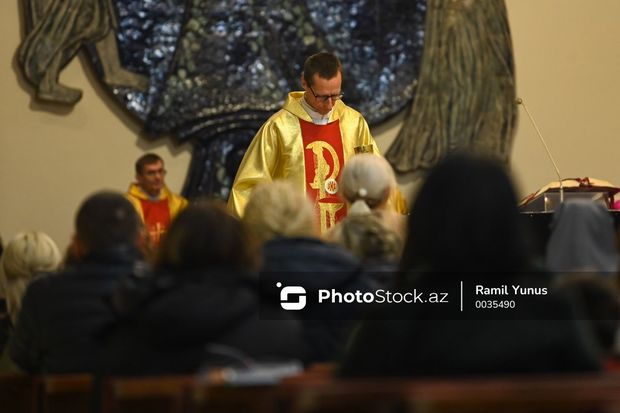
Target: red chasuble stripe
pixel 323 161
pixel 156 218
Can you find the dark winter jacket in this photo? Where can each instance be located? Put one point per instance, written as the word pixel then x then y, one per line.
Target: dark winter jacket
pixel 315 265
pixel 182 322
pixel 61 315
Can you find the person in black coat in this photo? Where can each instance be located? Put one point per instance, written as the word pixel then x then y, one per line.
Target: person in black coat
pixel 201 307
pixel 61 315
pixel 465 227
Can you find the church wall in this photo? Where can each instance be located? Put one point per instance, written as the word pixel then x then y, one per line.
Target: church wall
pixel 567 63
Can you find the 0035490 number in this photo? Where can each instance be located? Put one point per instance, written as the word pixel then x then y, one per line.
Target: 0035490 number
pixel 495 304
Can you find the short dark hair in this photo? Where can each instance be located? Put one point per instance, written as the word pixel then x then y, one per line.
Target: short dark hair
pixel 106 219
pixel 327 65
pixel 147 159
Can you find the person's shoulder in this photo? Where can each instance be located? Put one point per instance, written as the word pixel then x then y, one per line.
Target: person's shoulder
pixel 345 110
pixel 277 128
pixel 44 280
pixel 135 196
pixel 293 109
pixel 134 191
pixel 273 118
pixel 42 285
pixel 282 115
pixel 167 193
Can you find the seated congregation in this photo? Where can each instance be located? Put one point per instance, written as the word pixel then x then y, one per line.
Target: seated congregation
pixel 209 297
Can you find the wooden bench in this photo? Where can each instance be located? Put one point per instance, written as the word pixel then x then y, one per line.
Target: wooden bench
pixel 67 393
pixel 18 393
pixel 158 394
pixel 578 393
pixel 315 391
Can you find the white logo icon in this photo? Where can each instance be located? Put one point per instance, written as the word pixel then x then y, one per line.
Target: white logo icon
pixel 298 291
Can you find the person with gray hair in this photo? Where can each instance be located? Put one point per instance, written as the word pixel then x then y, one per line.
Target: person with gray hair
pixel 367 183
pixel 371 229
pixel 61 316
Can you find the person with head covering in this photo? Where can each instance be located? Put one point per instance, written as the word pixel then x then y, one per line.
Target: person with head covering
pixel 583 253
pixel 465 227
pixel 583 238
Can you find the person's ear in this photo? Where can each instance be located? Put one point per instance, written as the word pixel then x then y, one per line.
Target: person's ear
pixel 76 250
pixel 385 195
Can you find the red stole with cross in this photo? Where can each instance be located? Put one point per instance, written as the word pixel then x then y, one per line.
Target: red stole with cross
pixel 156 218
pixel 323 160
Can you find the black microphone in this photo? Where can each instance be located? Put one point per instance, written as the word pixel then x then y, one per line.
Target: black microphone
pixel 520 101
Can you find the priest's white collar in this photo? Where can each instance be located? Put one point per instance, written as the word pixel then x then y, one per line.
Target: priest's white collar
pixel 316 117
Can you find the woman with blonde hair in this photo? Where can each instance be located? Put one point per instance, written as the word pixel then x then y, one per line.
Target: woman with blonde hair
pixel 26 255
pixel 284 220
pixel 279 210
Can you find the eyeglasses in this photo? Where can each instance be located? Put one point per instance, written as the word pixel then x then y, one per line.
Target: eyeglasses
pixel 155 172
pixel 325 98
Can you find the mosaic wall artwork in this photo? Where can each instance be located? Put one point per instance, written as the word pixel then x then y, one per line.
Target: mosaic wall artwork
pixel 211 72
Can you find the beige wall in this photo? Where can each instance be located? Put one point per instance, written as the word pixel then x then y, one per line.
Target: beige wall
pixel 50 158
pixel 567 66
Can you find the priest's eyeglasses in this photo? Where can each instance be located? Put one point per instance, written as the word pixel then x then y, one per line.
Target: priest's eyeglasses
pixel 325 98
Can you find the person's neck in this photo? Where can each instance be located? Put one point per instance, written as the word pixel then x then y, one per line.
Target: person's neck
pixel 150 196
pixel 317 118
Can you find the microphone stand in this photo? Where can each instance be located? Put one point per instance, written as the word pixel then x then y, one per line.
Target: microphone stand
pixel 520 101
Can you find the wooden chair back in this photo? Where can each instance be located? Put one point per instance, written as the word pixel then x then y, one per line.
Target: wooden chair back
pixel 71 393
pixel 18 393
pixel 159 394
